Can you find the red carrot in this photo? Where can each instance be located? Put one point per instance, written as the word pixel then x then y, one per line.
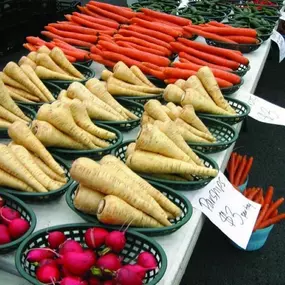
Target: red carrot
pixel 252 194
pixel 88 12
pixel 269 195
pixel 35 40
pixel 69 22
pixel 230 31
pixel 75 42
pixel 170 80
pixel 76 29
pixel 238 161
pixel 29 47
pixel 70 58
pixel 231 168
pixel 202 33
pixel 215 51
pixel 63 44
pixel 259 196
pixel 100 59
pixel 243 40
pixel 105 38
pixel 240 171
pixel 96 50
pixel 50 35
pixel 274 214
pixel 271 221
pixel 246 170
pixel 273 207
pixel 217 24
pixel 127 33
pixel 261 216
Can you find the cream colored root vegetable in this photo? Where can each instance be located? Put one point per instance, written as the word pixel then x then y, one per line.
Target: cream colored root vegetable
pixel 167 111
pixel 4 123
pixel 7 102
pixel 45 73
pixel 47 170
pixel 15 72
pixel 22 135
pixel 180 83
pixel 171 130
pixel 139 74
pixel 148 162
pixel 155 110
pixel 80 116
pixel 43 49
pixel 173 93
pixel 163 201
pixel 153 140
pixel 210 83
pixel 60 59
pixel 7 180
pixel 8 81
pixel 122 72
pixel 8 116
pixel 27 160
pixel 28 61
pixel 189 116
pixel 10 164
pixel 45 60
pixel 174 110
pixel 32 56
pixel 145 89
pixel 146 119
pixel 87 200
pixel 62 94
pixel 115 211
pixel 23 94
pixel 52 137
pixel 121 91
pixel 17 97
pixel 106 74
pixel 59 115
pixel 130 149
pixel 89 173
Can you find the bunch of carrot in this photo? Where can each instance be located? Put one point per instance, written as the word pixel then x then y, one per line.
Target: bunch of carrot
pixel 268 214
pixel 238 168
pixel 224 33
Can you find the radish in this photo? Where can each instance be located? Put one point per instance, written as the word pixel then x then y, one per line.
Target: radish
pixel 139 270
pixel 72 281
pixel 8 214
pixel 70 246
pixel 115 241
pixel 95 237
pixel 55 239
pixel 48 261
pixel 64 271
pixel 109 282
pixel 4 235
pixel 48 274
pixel 147 260
pixel 2 202
pixel 79 263
pixel 94 281
pixel 126 276
pixel 109 261
pixel 38 254
pixel 18 227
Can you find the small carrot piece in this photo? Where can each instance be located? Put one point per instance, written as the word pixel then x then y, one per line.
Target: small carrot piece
pixel 273 207
pixel 70 58
pixel 231 169
pixel 246 170
pixel 240 171
pixel 252 194
pixel 269 195
pixel 261 216
pixel 274 214
pixel 100 59
pixel 74 28
pixel 243 40
pixel 35 41
pixel 271 221
pixel 29 47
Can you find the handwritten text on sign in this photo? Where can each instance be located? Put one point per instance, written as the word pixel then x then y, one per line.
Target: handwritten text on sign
pixel 228 209
pixel 279 40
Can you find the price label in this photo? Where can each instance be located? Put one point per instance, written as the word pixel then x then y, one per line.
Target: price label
pixel 279 40
pixel 228 209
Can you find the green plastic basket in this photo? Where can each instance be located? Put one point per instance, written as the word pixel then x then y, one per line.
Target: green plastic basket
pixel 72 154
pixel 178 199
pixel 242 109
pixel 47 196
pixel 135 244
pixel 242 70
pixel 26 212
pixel 86 71
pixel 141 99
pixel 27 111
pixel 54 89
pixel 232 89
pixel 126 126
pixel 86 63
pixel 225 136
pixel 196 184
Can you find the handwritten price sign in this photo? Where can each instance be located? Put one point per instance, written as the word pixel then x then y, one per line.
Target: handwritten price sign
pixel 228 209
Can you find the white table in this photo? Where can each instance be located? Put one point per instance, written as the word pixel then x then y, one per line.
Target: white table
pixel 179 245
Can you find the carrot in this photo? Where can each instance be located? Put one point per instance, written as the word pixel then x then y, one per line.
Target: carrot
pixel 132 53
pixel 105 38
pixel 217 24
pixel 230 77
pixel 193 59
pixel 72 42
pixel 271 221
pixel 231 31
pixel 138 73
pixel 273 207
pixel 269 195
pixel 129 33
pixel 260 216
pixel 87 11
pixel 122 11
pixel 215 51
pixel 237 178
pixel 274 214
pixel 29 47
pixel 35 41
pixel 243 40
pixel 246 170
pixel 50 35
pixel 112 15
pixel 205 56
pixel 259 197
pixel 70 58
pixel 231 168
pixel 252 194
pixel 100 59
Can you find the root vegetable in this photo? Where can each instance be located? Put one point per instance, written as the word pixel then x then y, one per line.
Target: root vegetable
pixel 45 60
pixel 180 83
pixel 4 123
pixel 32 56
pixel 173 93
pixel 4 235
pixel 8 116
pixel 26 95
pixel 130 149
pixel 109 261
pixel 147 260
pixel 139 74
pixel 146 119
pixel 121 91
pixel 8 214
pixel 17 97
pixel 95 237
pixel 28 61
pixel 115 241
pixel 43 49
pixel 45 73
pixel 18 227
pixel 168 177
pixel 126 276
pixel 39 254
pixel 153 108
pixel 47 274
pixel 106 74
pixel 174 110
pixel 55 239
pixel 70 246
pixel 11 82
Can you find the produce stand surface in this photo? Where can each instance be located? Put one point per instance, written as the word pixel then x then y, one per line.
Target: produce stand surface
pixel 179 245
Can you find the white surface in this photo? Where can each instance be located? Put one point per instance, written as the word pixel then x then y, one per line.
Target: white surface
pixel 179 245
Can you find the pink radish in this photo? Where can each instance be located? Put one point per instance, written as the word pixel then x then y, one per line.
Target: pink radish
pixel 79 263
pixel 4 235
pixel 147 260
pixel 70 246
pixel 109 261
pixel 64 271
pixel 94 281
pixel 55 239
pixel 125 276
pixel 95 237
pixel 72 281
pixel 18 227
pixel 2 202
pixel 109 282
pixel 48 274
pixel 38 254
pixel 48 261
pixel 139 270
pixel 8 214
pixel 115 241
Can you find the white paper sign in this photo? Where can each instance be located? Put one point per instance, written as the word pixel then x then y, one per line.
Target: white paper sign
pixel 228 209
pixel 262 110
pixel 279 40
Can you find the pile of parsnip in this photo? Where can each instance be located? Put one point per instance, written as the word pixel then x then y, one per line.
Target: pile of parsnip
pixel 201 91
pixel 9 111
pixel 125 81
pixel 118 196
pixel 26 165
